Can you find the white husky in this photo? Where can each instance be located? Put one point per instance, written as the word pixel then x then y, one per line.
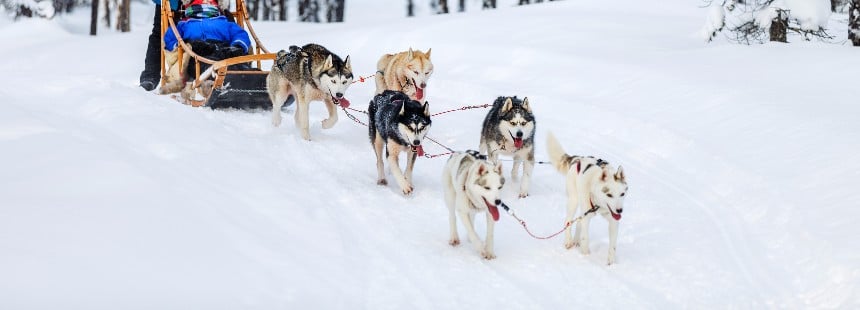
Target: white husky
pixel 472 185
pixel 592 184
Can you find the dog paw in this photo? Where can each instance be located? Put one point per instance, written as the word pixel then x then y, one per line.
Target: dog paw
pixel 610 258
pixel 407 189
pixel 276 120
pixel 328 123
pixel 306 134
pixel 454 242
pixel 570 244
pixel 382 182
pixel 524 195
pixel 488 255
pixel 584 250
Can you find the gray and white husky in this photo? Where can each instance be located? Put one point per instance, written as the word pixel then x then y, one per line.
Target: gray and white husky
pixel 593 185
pixel 472 185
pixel 509 129
pixel 309 73
pixel 398 124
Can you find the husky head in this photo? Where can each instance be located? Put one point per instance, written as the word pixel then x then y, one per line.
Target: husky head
pixel 609 191
pixel 413 122
pixel 418 70
pixel 336 77
pixel 517 121
pixel 485 187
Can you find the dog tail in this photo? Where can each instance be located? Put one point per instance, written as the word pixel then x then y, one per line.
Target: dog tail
pixel 560 160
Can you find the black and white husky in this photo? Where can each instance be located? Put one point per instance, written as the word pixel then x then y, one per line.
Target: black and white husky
pixel 509 129
pixel 472 185
pixel 399 124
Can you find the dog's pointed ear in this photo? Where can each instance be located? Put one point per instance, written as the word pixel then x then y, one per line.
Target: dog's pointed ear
pixel 526 104
pixel 348 65
pixel 409 54
pixel 426 109
pixel 402 107
pixel 428 52
pixel 482 169
pixel 328 62
pixel 498 168
pixel 619 175
pixel 507 106
pixel 604 176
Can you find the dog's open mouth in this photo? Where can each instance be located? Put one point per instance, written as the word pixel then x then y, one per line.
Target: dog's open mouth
pixel 518 142
pixel 616 216
pixel 417 149
pixel 342 101
pixel 419 92
pixel 494 211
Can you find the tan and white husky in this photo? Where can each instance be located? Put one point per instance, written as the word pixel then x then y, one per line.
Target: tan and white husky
pixel 405 72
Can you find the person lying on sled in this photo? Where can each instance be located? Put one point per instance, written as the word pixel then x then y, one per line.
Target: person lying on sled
pixel 209 33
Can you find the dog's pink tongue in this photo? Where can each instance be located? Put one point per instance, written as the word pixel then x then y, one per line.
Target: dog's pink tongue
pixel 518 143
pixel 616 216
pixel 494 211
pixel 420 151
pixel 343 102
pixel 419 93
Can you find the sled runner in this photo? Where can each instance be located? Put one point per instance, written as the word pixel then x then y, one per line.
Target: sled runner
pixel 240 88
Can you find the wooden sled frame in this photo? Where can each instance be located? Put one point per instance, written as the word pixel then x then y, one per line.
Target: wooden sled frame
pixel 256 53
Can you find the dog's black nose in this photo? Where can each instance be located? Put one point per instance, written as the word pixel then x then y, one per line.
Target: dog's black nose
pixel 423 85
pixel 498 202
pixel 619 211
pixel 339 95
pixel 416 142
pixel 519 134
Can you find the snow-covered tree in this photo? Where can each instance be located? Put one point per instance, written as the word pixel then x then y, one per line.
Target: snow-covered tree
pixel 759 20
pixel 29 8
pixel 854 22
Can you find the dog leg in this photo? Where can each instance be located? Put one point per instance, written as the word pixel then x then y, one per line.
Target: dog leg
pixel 394 166
pixel 582 233
pixel 569 241
pixel 332 114
pixel 450 200
pixel 302 106
pixel 515 169
pixel 528 166
pixel 613 238
pixel 468 221
pixel 278 96
pixel 380 167
pixel 410 163
pixel 488 252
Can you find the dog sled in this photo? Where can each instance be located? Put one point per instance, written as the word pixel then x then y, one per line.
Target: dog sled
pixel 231 88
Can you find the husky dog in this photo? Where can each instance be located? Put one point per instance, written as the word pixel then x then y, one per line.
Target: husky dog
pixel 407 72
pixel 509 129
pixel 472 185
pixel 308 73
pixel 399 124
pixel 594 185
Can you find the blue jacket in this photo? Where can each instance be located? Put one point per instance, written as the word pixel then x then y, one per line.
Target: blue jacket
pixel 214 28
pixel 174 4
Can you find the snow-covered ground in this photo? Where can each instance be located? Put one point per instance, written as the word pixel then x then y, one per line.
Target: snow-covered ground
pixel 741 162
